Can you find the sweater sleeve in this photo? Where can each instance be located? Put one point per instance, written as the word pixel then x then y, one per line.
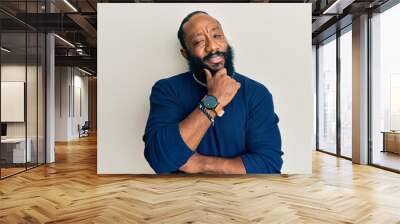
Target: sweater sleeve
pixel 263 139
pixel 165 149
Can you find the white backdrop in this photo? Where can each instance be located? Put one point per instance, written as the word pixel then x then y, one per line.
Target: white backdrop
pixel 138 45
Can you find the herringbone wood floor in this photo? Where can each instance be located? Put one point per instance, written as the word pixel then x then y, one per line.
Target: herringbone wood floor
pixel 69 191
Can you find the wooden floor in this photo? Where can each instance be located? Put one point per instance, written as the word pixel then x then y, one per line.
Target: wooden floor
pixel 5 172
pixel 69 191
pixel 387 159
pixel 9 171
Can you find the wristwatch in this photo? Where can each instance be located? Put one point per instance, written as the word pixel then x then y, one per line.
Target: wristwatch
pixel 211 103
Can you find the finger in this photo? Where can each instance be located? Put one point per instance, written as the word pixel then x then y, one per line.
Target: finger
pixel 221 72
pixel 238 85
pixel 208 75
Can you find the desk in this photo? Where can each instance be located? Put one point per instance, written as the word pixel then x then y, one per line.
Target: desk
pixel 15 148
pixel 391 141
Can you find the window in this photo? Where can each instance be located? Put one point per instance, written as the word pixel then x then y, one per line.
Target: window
pixel 385 88
pixel 346 93
pixel 327 96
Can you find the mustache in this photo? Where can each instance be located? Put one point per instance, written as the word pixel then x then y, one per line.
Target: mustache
pixel 197 64
pixel 210 55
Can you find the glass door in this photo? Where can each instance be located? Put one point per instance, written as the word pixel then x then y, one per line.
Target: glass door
pixel 14 155
pixel 327 95
pixel 385 89
pixel 346 92
pixel 22 77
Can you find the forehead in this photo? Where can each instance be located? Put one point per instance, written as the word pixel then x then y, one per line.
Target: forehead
pixel 199 23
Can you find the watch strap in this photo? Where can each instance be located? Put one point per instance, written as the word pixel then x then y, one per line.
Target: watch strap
pixel 208 115
pixel 219 110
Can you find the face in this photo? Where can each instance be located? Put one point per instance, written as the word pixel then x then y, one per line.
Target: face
pixel 205 42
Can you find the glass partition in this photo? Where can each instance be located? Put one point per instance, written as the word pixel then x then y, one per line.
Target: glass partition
pixel 41 107
pixel 22 101
pixel 32 95
pixel 346 93
pixel 13 95
pixel 385 89
pixel 327 96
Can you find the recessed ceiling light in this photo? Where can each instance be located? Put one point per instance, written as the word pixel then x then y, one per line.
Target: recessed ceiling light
pixel 64 40
pixel 337 7
pixel 5 50
pixel 70 5
pixel 84 71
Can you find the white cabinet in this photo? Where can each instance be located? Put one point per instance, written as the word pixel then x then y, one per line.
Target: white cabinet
pixel 18 149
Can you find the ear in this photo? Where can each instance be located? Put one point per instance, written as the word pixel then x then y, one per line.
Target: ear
pixel 184 53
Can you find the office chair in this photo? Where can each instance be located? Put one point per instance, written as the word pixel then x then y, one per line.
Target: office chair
pixel 84 130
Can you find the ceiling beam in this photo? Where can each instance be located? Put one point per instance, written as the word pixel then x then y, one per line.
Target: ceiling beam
pixel 337 7
pixel 83 23
pixel 84 61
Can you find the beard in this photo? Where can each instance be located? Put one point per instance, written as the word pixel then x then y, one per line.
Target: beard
pixel 197 65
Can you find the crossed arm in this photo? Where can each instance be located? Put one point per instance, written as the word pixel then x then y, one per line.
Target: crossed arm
pixel 170 142
pixel 192 130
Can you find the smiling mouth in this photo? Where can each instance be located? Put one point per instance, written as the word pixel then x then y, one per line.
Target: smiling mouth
pixel 215 59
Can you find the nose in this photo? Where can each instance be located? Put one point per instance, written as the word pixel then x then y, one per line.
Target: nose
pixel 212 46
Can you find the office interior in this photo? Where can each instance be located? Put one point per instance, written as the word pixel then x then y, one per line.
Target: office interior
pixel 48 85
pixel 38 55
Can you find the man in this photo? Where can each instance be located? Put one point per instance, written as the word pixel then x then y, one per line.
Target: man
pixel 211 119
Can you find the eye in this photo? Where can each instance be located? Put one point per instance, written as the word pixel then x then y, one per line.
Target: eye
pixel 197 42
pixel 218 36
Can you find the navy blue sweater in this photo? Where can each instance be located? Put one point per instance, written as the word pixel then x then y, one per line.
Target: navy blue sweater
pixel 249 127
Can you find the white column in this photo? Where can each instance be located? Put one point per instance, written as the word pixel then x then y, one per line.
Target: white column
pixel 50 110
pixel 360 90
pixel 50 92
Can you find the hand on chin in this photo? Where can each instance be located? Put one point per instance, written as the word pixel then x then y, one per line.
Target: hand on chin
pixel 215 68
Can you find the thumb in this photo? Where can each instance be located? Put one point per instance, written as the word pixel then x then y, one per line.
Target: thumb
pixel 208 75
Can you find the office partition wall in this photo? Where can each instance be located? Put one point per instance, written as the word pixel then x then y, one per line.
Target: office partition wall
pixel 13 72
pixel 22 76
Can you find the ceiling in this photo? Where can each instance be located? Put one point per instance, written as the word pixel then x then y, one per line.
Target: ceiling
pixel 76 21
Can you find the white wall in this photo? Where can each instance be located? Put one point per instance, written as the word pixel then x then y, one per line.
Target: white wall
pixel 272 44
pixel 61 103
pixel 17 73
pixel 33 127
pixel 68 82
pixel 80 84
pixel 12 73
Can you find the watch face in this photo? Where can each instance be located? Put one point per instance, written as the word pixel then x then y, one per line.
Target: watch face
pixel 210 102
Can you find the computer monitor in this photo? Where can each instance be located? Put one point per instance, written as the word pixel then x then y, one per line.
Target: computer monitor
pixel 3 129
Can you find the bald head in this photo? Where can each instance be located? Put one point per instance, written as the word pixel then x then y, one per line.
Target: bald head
pixel 190 20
